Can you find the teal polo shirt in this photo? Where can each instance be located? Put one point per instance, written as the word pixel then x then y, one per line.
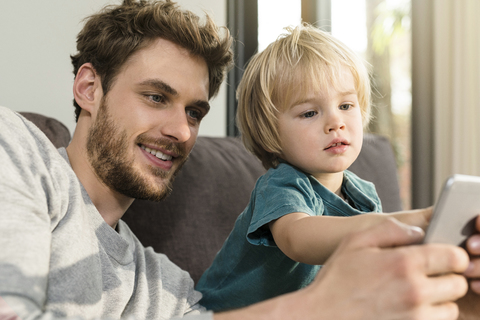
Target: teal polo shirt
pixel 250 268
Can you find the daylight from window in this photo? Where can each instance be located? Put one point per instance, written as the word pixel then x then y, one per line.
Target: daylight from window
pixel 379 31
pixel 274 16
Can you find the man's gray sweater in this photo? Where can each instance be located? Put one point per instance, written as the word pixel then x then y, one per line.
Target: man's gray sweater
pixel 58 257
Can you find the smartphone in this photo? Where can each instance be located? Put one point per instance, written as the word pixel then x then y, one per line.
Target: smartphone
pixel 455 212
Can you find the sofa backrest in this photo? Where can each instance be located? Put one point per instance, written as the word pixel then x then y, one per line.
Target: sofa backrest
pixel 213 188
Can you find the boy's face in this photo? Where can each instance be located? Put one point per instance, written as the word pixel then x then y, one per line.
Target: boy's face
pixel 322 132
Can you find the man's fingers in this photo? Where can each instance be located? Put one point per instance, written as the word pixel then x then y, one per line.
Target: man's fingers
pixel 445 288
pixel 473 270
pixel 387 234
pixel 440 259
pixel 473 244
pixel 444 311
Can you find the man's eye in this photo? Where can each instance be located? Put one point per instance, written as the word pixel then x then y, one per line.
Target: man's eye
pixel 345 107
pixel 156 98
pixel 195 114
pixel 309 114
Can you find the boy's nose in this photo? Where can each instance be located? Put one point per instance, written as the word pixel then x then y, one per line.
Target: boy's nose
pixel 334 122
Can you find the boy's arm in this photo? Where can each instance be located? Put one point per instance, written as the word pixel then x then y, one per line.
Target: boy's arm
pixel 312 239
pixel 390 280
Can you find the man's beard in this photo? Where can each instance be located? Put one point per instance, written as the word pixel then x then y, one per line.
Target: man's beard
pixel 107 150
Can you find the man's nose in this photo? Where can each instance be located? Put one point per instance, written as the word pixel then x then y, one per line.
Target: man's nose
pixel 176 125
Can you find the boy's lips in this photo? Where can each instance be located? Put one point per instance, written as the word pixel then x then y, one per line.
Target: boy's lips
pixel 337 143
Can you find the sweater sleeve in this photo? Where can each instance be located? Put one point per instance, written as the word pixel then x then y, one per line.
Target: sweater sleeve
pixel 25 223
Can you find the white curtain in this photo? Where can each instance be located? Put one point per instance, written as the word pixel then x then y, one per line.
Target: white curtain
pixel 456 88
pixel 446 93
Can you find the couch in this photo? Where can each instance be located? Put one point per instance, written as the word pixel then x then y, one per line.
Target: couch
pixel 213 188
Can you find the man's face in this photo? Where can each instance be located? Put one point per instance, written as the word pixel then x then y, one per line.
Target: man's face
pixel 148 122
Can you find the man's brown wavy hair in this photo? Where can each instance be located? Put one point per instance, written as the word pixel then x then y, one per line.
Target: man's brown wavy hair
pixel 114 34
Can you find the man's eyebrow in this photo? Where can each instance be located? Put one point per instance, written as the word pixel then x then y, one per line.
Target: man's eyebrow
pixel 203 105
pixel 159 85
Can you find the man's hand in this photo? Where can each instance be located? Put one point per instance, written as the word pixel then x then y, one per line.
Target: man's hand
pixel 374 278
pixel 373 275
pixel 470 304
pixel 473 270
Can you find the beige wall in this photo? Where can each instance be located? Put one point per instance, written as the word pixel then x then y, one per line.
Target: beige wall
pixel 36 40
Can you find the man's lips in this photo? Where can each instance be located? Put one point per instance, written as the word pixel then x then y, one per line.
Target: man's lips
pixel 157 153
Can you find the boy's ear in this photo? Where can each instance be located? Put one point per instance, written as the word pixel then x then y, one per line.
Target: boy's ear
pixel 87 88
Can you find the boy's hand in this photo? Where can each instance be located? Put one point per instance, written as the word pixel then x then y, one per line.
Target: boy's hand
pixel 419 217
pixel 376 274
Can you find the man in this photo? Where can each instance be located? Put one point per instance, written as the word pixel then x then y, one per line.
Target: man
pixel 144 73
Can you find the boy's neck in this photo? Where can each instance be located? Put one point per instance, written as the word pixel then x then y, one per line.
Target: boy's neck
pixel 332 181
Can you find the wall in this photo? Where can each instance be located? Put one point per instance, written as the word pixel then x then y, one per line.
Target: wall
pixel 36 41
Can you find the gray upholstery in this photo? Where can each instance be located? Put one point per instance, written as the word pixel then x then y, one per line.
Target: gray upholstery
pixel 214 187
pixel 376 163
pixel 56 131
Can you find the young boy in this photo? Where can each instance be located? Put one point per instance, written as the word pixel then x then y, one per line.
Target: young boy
pixel 303 103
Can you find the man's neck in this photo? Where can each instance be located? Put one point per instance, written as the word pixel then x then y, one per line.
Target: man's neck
pixel 110 204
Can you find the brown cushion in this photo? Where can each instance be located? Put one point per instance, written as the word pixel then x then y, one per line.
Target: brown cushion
pixel 56 131
pixel 210 191
pixel 214 187
pixel 376 163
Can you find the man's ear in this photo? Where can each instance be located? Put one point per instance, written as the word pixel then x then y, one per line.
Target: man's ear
pixel 87 88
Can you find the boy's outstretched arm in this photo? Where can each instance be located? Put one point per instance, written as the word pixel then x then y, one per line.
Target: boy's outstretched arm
pixel 374 274
pixel 312 239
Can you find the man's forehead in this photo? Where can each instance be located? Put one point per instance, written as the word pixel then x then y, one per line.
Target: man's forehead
pixel 164 60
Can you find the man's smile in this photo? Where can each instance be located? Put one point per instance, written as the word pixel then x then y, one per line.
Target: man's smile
pixel 157 153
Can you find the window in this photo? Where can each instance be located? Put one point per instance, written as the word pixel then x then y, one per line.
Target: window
pixel 378 30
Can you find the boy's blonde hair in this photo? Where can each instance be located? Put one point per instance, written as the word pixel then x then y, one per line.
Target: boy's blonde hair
pixel 298 62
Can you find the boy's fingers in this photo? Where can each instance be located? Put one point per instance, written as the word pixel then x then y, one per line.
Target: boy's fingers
pixel 388 233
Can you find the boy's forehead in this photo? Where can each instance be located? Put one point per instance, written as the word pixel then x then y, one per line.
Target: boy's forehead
pixel 308 87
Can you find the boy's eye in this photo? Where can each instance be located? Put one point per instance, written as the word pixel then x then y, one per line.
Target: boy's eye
pixel 345 106
pixel 309 114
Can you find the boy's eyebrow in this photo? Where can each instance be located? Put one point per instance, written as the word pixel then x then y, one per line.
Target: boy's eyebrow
pixel 308 99
pixel 348 92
